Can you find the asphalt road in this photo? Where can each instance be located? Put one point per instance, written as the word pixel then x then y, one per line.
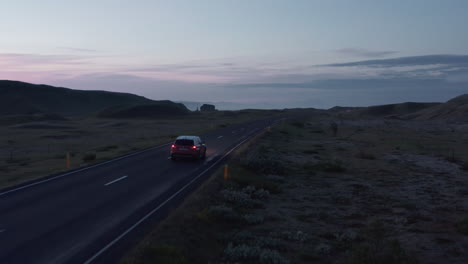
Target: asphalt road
pixel 90 215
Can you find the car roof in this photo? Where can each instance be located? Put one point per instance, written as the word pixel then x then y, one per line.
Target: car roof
pixel 187 137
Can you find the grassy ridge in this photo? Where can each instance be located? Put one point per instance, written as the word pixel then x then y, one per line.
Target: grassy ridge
pixel 25 98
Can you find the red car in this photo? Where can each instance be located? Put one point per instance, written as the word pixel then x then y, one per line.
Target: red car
pixel 188 147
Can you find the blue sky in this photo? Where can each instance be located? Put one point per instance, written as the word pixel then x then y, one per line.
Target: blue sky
pixel 257 53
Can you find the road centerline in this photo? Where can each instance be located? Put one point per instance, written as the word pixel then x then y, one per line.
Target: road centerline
pixel 116 180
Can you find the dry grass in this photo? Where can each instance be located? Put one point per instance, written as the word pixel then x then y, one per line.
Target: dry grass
pixel 394 199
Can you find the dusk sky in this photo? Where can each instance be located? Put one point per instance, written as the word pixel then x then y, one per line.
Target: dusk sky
pixel 255 53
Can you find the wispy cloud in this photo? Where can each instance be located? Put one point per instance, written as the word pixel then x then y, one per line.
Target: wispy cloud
pixel 34 59
pixel 359 52
pixel 410 61
pixel 73 49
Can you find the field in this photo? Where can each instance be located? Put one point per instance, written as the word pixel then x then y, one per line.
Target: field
pixel 379 191
pixel 34 149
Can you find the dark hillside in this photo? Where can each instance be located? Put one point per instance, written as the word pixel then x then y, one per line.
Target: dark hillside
pixel 396 109
pixel 385 111
pixel 157 109
pixel 25 98
pixel 455 110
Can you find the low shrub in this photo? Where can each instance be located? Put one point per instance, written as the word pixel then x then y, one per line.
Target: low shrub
pixel 297 124
pixel 239 198
pixel 255 193
pixel 462 226
pixel 275 178
pixel 164 254
pixel 389 252
pixel 327 166
pixel 89 157
pixel 252 219
pixel 310 151
pixel 243 177
pixel 317 131
pixel 264 162
pixel 222 212
pixel 248 196
pixel 365 155
pixel 298 236
pixel 246 237
pixel 107 148
pixel 255 254
pixel 378 248
pixel 269 256
pixel 322 249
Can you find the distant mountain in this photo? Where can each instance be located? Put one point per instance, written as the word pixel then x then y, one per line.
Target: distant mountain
pixel 344 109
pixel 228 105
pixel 17 98
pixel 455 109
pixel 157 109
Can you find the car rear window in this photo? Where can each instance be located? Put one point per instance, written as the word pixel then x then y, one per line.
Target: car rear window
pixel 184 142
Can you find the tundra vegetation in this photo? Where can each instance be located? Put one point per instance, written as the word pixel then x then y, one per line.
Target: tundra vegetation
pixel 377 191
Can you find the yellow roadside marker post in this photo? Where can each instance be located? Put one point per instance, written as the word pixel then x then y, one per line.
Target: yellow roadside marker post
pixel 226 175
pixel 68 160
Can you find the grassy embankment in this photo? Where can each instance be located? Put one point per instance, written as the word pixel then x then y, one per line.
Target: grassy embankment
pixel 376 193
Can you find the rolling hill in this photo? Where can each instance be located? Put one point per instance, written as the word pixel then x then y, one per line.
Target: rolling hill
pixel 384 111
pixel 395 109
pixel 455 109
pixel 19 98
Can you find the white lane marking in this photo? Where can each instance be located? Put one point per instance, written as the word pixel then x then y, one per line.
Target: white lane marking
pixel 117 239
pixel 87 168
pixel 220 136
pixel 116 180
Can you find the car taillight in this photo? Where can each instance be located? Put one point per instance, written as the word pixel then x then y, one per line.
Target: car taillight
pixel 194 147
pixel 173 146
